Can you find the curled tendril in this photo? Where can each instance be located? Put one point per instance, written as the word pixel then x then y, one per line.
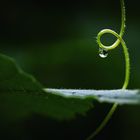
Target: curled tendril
pixel 127 63
pixel 113 46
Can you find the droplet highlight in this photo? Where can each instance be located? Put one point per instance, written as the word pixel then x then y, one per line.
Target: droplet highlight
pixel 103 53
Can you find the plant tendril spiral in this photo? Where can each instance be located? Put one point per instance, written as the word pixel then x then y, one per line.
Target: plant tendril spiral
pixel 127 63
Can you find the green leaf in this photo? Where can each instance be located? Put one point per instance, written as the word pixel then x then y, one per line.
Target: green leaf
pixel 22 95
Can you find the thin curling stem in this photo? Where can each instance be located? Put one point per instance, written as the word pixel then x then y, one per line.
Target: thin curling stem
pixel 127 63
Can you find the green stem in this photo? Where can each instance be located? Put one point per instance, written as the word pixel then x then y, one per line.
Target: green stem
pixel 127 64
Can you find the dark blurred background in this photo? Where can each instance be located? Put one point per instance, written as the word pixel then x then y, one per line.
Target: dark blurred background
pixel 56 42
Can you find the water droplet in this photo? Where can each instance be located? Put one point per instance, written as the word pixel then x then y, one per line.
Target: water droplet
pixel 103 53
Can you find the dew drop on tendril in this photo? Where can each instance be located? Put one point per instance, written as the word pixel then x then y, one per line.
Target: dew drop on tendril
pixel 103 53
